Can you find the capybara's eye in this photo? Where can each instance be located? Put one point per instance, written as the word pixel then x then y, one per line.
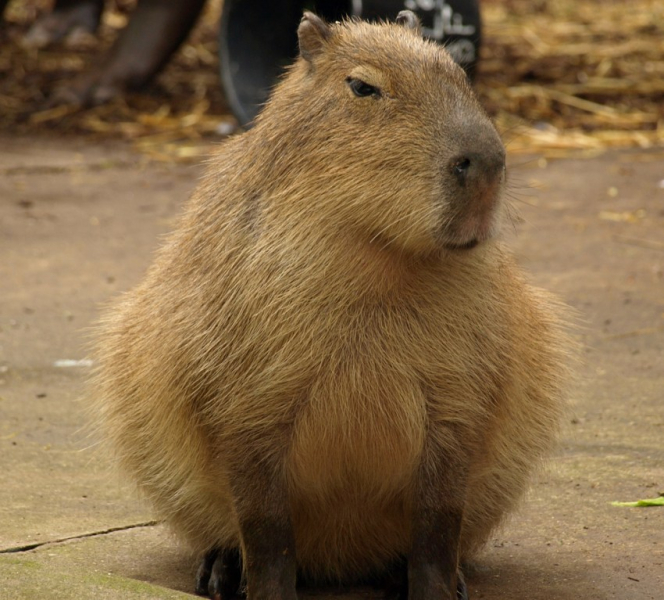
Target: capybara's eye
pixel 361 88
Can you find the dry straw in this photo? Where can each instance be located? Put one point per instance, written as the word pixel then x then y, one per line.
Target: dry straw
pixel 558 76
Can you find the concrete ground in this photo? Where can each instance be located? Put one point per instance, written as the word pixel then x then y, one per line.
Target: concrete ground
pixel 78 223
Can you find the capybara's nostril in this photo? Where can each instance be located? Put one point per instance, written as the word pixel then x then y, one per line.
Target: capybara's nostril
pixel 460 166
pixel 478 167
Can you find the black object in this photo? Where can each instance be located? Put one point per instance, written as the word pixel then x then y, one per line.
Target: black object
pixel 258 39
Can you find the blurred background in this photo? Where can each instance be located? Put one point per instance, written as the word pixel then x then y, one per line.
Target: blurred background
pixel 558 76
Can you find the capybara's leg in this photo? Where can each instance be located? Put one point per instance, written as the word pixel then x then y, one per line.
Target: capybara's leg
pixel 433 563
pixel 261 502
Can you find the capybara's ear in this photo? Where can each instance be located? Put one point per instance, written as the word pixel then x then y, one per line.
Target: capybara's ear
pixel 410 20
pixel 312 34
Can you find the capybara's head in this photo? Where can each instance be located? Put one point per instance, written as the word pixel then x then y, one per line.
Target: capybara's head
pixel 377 129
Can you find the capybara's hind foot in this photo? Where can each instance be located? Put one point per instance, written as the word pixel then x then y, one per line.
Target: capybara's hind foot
pixel 219 575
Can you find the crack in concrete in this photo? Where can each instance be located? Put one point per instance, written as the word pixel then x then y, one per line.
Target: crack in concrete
pixel 81 536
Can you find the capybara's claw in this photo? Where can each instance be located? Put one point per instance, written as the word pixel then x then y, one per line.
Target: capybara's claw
pixel 462 589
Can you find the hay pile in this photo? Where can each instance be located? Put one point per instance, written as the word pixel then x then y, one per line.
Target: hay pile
pixel 559 76
pixel 575 74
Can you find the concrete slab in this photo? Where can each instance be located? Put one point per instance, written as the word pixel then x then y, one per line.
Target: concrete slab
pixel 142 562
pixel 66 238
pixel 26 578
pixel 79 222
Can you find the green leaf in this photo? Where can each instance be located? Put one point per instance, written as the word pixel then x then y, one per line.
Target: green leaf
pixel 650 502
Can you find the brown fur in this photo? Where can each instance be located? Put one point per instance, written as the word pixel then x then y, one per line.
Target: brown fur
pixel 309 314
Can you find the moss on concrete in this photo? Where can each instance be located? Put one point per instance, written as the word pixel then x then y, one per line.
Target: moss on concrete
pixel 27 579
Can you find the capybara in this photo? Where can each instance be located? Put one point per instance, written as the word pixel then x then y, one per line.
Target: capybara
pixel 333 363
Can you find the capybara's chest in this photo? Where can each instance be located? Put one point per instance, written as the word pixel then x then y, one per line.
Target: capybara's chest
pixel 359 429
pixel 363 421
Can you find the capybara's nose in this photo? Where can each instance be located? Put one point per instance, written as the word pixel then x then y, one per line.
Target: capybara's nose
pixel 484 167
pixel 476 170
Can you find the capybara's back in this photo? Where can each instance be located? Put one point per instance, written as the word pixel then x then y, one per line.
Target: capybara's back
pixel 333 363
